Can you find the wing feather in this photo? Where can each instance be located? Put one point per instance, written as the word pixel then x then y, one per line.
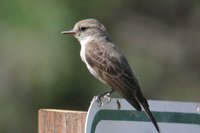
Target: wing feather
pixel 113 68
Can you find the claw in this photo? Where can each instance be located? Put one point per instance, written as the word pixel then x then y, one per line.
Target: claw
pixel 98 99
pixel 104 95
pixel 107 96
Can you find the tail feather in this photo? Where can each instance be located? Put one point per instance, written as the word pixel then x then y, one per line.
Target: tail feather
pixel 143 102
pixel 134 103
pixel 150 115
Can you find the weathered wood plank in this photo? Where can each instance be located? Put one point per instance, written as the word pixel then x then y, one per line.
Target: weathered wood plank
pixel 61 121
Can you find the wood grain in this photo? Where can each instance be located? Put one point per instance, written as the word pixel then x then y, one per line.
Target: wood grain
pixel 61 121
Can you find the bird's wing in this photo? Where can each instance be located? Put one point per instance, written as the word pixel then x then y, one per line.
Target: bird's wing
pixel 108 62
pixel 113 68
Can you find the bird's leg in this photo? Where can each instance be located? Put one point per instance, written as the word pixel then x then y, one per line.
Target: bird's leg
pixel 105 95
pixel 98 99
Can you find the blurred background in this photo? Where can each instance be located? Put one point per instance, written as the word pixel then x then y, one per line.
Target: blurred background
pixel 41 68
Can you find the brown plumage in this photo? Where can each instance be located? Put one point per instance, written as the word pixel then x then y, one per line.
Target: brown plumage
pixel 106 62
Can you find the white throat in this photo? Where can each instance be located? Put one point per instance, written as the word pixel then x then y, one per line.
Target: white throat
pixel 85 40
pixel 84 43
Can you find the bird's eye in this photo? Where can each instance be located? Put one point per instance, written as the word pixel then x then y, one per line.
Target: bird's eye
pixel 83 28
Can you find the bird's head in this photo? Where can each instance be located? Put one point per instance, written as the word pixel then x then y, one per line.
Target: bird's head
pixel 87 28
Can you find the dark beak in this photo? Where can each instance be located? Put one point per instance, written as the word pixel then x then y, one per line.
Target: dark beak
pixel 71 32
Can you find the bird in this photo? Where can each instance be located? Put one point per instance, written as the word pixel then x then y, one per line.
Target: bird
pixel 107 63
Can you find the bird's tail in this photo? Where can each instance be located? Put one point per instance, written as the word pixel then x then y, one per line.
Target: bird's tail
pixel 149 114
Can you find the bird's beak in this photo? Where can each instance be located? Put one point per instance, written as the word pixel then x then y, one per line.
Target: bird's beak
pixel 71 32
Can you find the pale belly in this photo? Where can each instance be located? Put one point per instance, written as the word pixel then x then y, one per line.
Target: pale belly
pixel 91 70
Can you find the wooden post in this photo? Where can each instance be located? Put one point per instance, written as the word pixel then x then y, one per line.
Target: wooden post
pixel 61 121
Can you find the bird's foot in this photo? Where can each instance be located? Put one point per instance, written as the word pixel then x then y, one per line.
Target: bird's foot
pixel 105 95
pixel 98 99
